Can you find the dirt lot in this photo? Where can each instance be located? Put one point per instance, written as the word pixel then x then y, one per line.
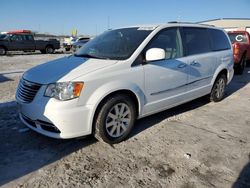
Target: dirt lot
pixel 198 144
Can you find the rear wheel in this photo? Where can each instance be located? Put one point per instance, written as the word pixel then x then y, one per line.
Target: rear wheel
pixel 49 50
pixel 2 51
pixel 115 119
pixel 240 68
pixel 218 90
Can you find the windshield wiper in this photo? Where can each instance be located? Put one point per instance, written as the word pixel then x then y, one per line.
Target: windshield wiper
pixel 89 56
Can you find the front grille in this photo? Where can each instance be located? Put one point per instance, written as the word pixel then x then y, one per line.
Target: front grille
pixel 27 90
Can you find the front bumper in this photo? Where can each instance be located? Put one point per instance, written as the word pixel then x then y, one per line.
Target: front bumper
pixel 57 119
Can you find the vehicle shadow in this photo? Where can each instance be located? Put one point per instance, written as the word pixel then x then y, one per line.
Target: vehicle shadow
pixel 243 180
pixel 4 78
pixel 238 82
pixel 147 122
pixel 23 151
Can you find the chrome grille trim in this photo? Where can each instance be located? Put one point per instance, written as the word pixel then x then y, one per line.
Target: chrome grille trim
pixel 27 90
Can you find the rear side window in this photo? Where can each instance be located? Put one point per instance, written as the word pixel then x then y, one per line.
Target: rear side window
pixel 196 40
pixel 219 40
pixel 28 37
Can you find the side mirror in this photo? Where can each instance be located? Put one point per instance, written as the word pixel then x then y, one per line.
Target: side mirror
pixel 154 54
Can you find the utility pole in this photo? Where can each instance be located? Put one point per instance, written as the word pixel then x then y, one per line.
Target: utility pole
pixel 108 24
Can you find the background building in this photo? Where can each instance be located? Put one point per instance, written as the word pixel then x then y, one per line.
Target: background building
pixel 230 24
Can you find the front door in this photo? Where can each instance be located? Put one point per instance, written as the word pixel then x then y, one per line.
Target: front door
pixel 165 80
pixel 16 42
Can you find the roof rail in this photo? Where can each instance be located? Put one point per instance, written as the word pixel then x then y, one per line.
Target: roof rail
pixel 207 25
pixel 174 22
pixel 180 22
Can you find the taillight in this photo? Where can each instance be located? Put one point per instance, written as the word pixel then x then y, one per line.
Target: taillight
pixel 236 49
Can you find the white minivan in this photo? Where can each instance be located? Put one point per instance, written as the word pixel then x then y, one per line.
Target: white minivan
pixel 123 75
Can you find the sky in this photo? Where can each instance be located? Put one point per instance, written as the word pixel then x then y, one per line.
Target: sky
pixel 92 17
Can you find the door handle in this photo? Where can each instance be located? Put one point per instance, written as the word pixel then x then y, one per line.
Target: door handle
pixel 182 65
pixel 195 63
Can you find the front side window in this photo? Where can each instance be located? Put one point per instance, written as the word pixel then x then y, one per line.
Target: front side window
pixel 16 38
pixel 196 40
pixel 28 37
pixel 169 40
pixel 116 44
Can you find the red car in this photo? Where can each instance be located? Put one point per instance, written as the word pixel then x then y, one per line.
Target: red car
pixel 241 49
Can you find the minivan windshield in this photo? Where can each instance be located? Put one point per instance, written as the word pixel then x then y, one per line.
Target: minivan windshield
pixel 116 44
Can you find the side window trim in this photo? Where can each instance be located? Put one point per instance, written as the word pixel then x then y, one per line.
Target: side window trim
pixel 180 42
pixel 184 48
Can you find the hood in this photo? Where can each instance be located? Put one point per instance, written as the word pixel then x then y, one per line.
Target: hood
pixel 64 69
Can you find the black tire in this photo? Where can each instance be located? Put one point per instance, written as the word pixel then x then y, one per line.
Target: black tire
pixel 241 66
pixel 218 90
pixel 105 123
pixel 3 51
pixel 49 49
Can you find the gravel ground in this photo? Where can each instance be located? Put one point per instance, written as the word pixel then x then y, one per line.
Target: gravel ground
pixel 198 144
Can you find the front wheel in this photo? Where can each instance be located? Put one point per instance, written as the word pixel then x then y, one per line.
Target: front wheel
pixel 218 90
pixel 2 51
pixel 115 119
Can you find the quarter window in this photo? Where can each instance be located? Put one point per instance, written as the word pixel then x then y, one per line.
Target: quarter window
pixel 219 40
pixel 196 40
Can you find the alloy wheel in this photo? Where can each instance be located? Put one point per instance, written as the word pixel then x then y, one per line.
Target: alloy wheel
pixel 117 120
pixel 220 88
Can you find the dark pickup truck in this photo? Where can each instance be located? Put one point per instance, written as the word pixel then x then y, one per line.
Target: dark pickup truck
pixel 26 42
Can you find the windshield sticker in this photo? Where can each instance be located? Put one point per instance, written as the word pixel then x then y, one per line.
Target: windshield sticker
pixel 146 28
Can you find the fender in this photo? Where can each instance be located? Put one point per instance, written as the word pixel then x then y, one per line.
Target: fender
pixel 114 86
pixel 221 67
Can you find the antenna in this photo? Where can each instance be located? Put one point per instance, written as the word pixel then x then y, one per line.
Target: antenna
pixel 179 16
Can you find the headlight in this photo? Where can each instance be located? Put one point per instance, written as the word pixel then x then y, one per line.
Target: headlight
pixel 64 90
